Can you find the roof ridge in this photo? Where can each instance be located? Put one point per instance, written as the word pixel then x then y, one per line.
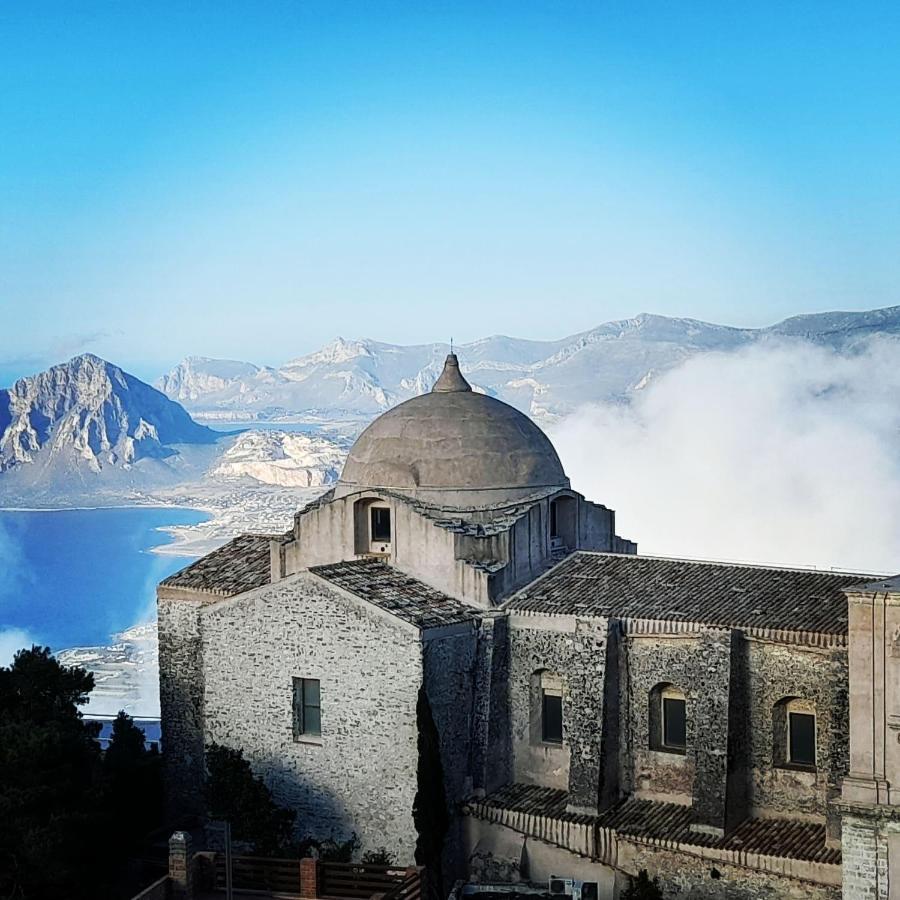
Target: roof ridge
pixel 732 564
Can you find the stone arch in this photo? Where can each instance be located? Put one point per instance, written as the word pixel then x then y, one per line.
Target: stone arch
pixel 794 733
pixel 563 525
pixel 373 527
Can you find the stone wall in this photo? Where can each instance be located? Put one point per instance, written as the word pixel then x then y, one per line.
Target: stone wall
pixel 684 875
pixel 360 775
pixel 819 675
pixel 181 702
pixel 698 664
pixel 576 650
pixel 870 849
pixel 449 663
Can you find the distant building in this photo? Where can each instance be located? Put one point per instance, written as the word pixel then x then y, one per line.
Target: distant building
pixel 725 727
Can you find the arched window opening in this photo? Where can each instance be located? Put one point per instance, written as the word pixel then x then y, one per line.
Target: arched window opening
pixel 373 527
pixel 668 719
pixel 546 708
pixel 563 524
pixel 794 733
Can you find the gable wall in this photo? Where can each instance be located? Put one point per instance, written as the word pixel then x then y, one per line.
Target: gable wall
pixel 361 775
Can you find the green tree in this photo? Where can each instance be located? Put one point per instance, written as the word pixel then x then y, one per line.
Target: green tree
pixel 235 794
pixel 643 888
pixel 127 746
pixel 49 764
pixel 379 857
pixel 430 814
pixel 132 783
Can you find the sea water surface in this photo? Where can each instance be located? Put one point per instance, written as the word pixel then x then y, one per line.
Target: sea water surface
pixel 75 577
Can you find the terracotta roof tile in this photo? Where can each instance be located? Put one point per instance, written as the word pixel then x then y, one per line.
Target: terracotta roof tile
pixel 649 819
pixel 395 592
pixel 729 595
pixel 240 565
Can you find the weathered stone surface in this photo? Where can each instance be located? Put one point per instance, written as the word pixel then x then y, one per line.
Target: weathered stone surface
pixel 181 705
pixel 370 669
pixel 820 676
pixel 576 651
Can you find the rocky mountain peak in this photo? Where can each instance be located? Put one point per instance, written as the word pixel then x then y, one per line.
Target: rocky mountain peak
pixel 89 412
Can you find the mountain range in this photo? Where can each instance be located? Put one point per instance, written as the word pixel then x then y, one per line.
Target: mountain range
pixel 87 432
pixel 357 379
pixel 86 429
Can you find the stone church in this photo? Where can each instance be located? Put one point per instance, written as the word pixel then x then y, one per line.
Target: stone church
pixel 732 729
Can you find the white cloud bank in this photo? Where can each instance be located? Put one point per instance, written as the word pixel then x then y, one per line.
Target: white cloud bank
pixel 786 453
pixel 12 640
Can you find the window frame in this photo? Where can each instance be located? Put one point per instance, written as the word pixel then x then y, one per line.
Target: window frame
pixel 789 748
pixel 544 685
pixel 301 705
pixel 782 733
pixel 551 694
pixel 660 695
pixel 666 699
pixel 375 510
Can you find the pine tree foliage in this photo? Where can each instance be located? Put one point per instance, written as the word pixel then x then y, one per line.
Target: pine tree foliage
pixel 430 814
pixel 234 794
pixel 69 815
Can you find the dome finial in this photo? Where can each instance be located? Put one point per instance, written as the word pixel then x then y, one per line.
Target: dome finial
pixel 451 378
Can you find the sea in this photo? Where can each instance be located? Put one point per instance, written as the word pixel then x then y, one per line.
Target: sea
pixel 77 577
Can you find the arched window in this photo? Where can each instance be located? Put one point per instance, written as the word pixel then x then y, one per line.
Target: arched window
pixel 546 708
pixel 563 524
pixel 794 733
pixel 668 719
pixel 373 527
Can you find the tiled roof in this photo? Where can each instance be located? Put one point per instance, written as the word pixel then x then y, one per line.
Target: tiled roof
pixel 643 819
pixel 395 592
pixel 880 585
pixel 729 595
pixel 240 565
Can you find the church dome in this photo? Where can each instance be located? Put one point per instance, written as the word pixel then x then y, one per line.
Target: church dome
pixel 454 447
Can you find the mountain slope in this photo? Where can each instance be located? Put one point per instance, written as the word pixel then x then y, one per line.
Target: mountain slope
pixel 88 414
pixel 545 379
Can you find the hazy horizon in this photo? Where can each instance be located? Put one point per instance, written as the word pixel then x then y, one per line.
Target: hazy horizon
pixel 250 182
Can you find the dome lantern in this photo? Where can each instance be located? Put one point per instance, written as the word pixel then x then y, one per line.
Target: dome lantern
pixel 451 379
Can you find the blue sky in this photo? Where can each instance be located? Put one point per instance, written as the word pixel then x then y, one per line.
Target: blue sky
pixel 250 180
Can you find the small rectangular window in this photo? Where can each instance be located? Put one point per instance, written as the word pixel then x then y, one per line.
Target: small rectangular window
pixel 802 746
pixel 381 524
pixel 674 723
pixel 551 718
pixel 307 708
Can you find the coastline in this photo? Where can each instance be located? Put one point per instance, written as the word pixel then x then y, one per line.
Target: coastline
pixel 126 665
pixel 179 543
pixel 230 508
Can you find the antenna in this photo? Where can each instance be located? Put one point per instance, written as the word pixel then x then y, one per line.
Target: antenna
pixel 451 345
